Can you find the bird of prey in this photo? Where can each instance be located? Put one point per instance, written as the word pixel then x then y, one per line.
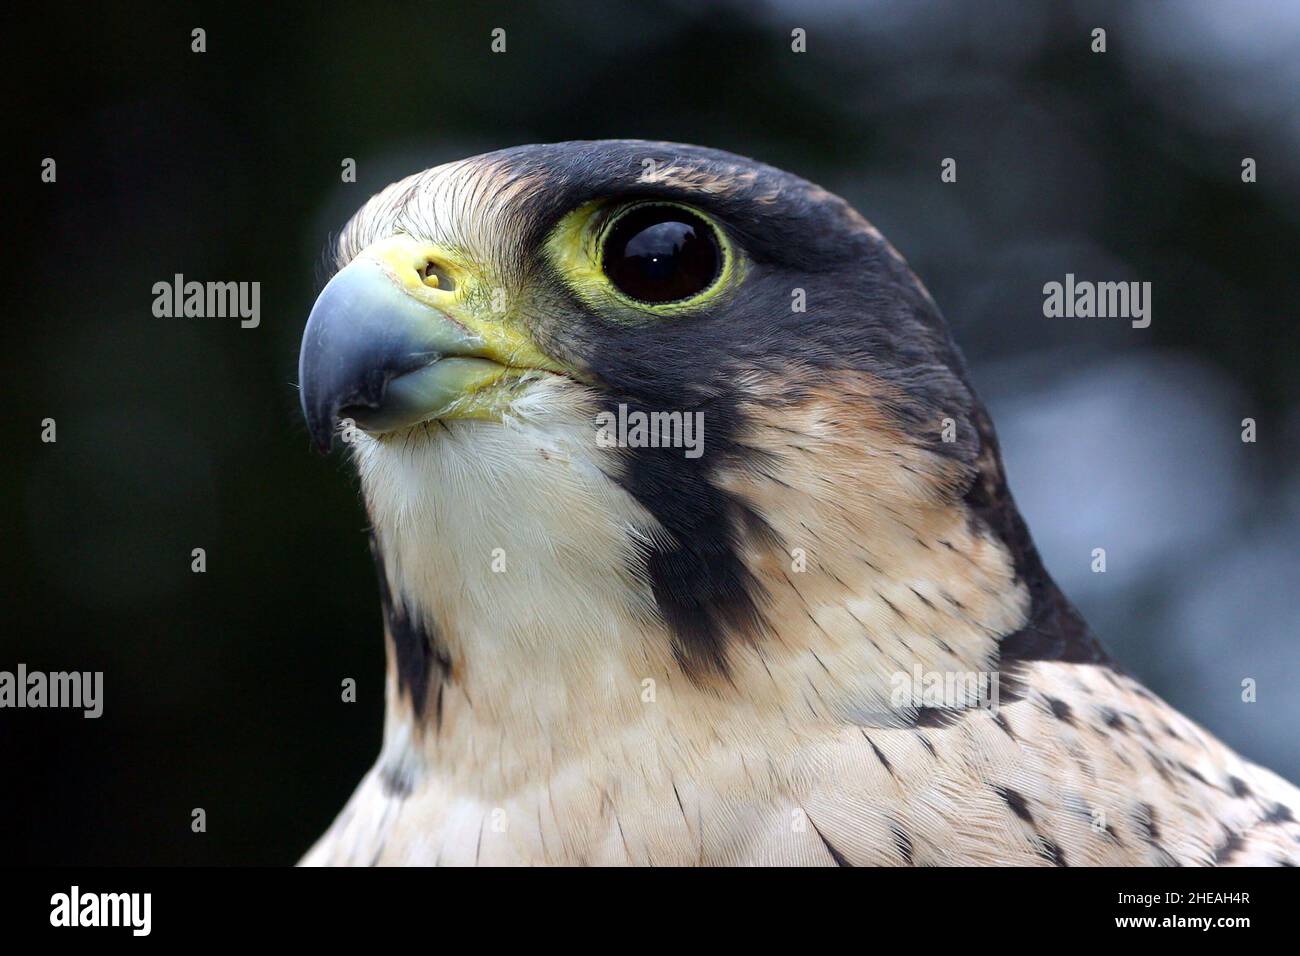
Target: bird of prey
pixel 818 633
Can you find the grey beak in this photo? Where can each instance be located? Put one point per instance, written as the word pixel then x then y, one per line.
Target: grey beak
pixel 365 347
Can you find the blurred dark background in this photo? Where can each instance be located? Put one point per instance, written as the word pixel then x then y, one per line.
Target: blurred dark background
pixel 222 689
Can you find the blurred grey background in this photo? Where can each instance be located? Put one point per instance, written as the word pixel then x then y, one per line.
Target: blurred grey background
pixel 222 689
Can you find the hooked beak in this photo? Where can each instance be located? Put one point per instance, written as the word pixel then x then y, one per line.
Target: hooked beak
pixel 388 345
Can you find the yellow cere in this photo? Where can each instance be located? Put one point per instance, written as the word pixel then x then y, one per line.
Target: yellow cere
pixel 461 294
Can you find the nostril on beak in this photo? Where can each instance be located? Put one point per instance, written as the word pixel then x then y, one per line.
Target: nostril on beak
pixel 435 276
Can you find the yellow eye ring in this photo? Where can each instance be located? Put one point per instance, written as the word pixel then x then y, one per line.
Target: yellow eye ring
pixel 656 257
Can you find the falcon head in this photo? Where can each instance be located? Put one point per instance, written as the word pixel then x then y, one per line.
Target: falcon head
pixel 844 498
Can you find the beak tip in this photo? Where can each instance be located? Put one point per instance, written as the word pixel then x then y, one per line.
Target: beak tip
pixel 320 421
pixel 321 429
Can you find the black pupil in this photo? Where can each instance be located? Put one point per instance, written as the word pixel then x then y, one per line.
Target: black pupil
pixel 661 254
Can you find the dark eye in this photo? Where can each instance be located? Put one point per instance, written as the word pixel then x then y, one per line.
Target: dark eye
pixel 661 254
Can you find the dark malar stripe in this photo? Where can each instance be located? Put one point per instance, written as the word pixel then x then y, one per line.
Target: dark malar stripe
pixel 703 589
pixel 417 655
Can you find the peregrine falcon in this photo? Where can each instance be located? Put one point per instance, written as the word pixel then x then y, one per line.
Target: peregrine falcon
pixel 818 634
